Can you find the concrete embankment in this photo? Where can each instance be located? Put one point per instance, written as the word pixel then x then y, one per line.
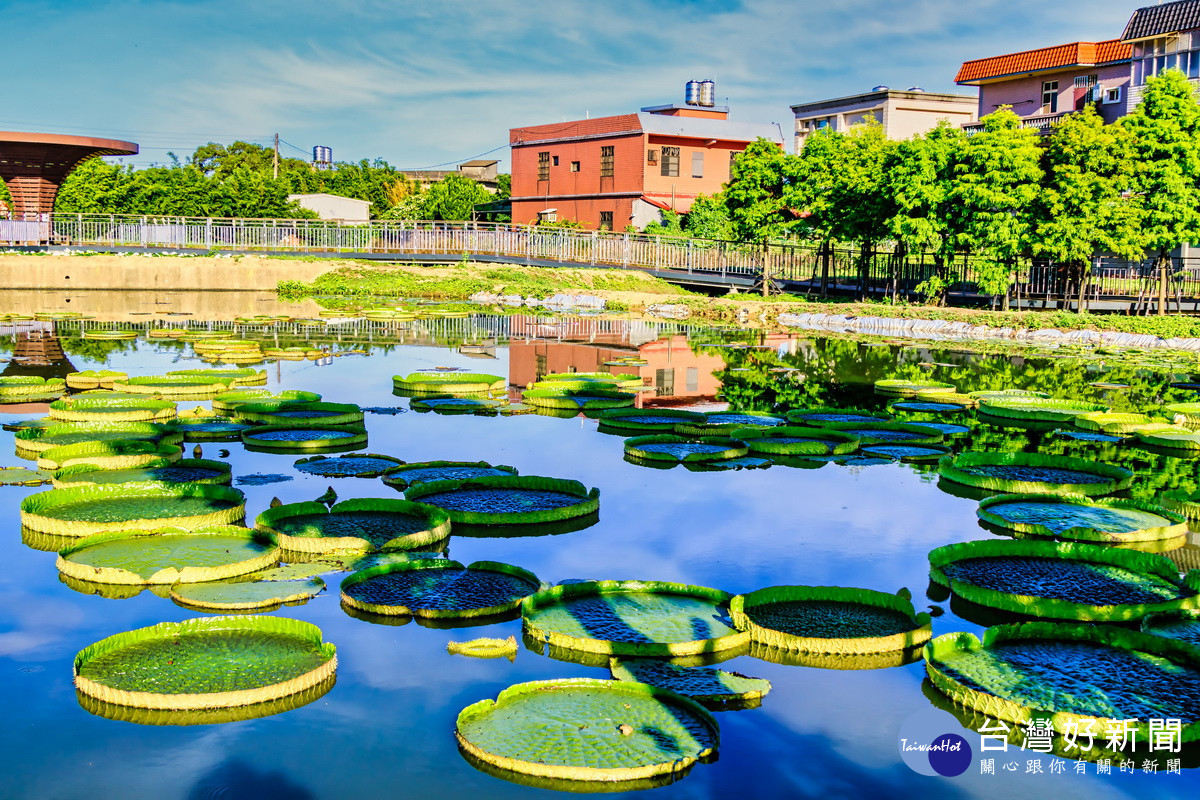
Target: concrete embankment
pixel 154 273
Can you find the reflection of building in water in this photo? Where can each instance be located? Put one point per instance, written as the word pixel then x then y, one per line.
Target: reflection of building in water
pixel 677 374
pixel 37 351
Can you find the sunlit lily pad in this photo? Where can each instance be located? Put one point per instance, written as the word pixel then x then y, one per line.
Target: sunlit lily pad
pixel 357 465
pixel 22 476
pixel 1081 518
pixel 582 729
pixel 448 383
pixel 84 510
pixel 634 618
pixel 508 499
pixel 676 449
pixel 711 687
pixel 205 663
pixel 405 475
pixel 242 595
pixel 297 437
pixel 188 470
pixel 1029 473
pixel 360 525
pixel 168 555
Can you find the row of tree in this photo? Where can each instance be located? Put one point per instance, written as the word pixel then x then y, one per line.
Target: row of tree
pixel 238 180
pixel 1003 194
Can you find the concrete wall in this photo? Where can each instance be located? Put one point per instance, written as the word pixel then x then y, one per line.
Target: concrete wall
pixel 1025 94
pixel 145 273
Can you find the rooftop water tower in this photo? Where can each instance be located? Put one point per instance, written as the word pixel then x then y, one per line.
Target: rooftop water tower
pixel 691 93
pixel 322 157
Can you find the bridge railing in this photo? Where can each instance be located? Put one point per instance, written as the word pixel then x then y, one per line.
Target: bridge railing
pixel 604 248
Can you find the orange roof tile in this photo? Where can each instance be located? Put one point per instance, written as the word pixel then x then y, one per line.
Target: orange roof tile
pixel 1059 56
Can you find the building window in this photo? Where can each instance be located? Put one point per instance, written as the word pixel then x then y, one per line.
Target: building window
pixel 607 161
pixel 555 159
pixel 544 165
pixel 1091 85
pixel 574 166
pixel 698 164
pixel 670 162
pixel 664 382
pixel 1112 95
pixel 606 220
pixel 693 379
pixel 1050 97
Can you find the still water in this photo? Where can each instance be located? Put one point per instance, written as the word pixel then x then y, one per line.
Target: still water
pixel 386 729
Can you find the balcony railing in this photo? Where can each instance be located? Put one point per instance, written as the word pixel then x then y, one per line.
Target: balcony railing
pixel 1042 123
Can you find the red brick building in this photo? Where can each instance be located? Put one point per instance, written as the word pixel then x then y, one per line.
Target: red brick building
pixel 612 172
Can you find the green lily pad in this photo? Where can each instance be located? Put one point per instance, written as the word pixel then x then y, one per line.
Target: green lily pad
pixel 1034 473
pixel 234 596
pixel 357 465
pixel 303 437
pixel 582 729
pixel 508 499
pixel 205 663
pixel 439 588
pixel 226 402
pixel 1063 580
pixel 21 476
pixel 1097 676
pixel 636 618
pixel 188 470
pixel 710 687
pixel 448 383
pixel 644 420
pixel 299 413
pixel 825 416
pixel 677 449
pixel 401 477
pixel 84 510
pixel 1081 518
pixel 168 556
pixel 359 525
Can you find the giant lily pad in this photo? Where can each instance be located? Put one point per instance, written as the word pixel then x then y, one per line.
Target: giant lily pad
pixel 298 437
pixel 439 588
pixel 211 428
pixel 93 379
pixel 405 475
pixel 712 688
pixel 1170 437
pixel 1034 473
pixel 188 470
pixel 576 399
pixel 1081 518
pixel 84 510
pixel 226 402
pixel 114 454
pixel 357 465
pixel 508 499
pixel 828 415
pixel 1063 580
pixel 903 388
pixel 448 383
pixel 243 595
pixel 32 441
pixel 1181 625
pixel 831 619
pixel 85 408
pixel 173 385
pixel 582 729
pixel 30 388
pixel 1095 677
pixel 582 379
pixel 299 412
pixel 168 555
pixel 22 476
pixel 644 420
pixel 1040 409
pixel 677 449
pixel 632 618
pixel 454 404
pixel 360 525
pixel 888 432
pixel 795 440
pixel 726 422
pixel 205 663
pixel 239 377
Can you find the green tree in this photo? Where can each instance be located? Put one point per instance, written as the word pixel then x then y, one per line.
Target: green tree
pixel 1165 167
pixel 755 193
pixel 1082 208
pixel 708 218
pixel 998 179
pixel 503 186
pixel 454 197
pixel 920 179
pixel 670 226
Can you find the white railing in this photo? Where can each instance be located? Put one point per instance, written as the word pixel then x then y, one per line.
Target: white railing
pixel 513 242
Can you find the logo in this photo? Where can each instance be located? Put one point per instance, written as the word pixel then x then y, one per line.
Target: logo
pixel 928 748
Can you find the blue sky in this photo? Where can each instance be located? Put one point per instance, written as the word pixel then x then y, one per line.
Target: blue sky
pixel 422 83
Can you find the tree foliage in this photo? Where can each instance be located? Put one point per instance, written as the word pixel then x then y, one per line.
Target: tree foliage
pixel 756 193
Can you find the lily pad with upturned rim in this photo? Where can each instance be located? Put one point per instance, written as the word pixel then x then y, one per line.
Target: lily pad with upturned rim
pixel 831 619
pixel 354 465
pixel 614 730
pixel 678 449
pixel 114 454
pixel 84 510
pixel 300 437
pixel 439 588
pixel 205 663
pixel 168 555
pixel 712 688
pixel 1063 580
pixel 188 470
pixel 788 440
pixel 508 499
pixel 1030 473
pixel 632 618
pixel 226 402
pixel 821 417
pixel 360 525
pixel 1083 675
pixel 241 595
pixel 1038 409
pixel 405 475
pixel 298 413
pixel 448 383
pixel 644 420
pixel 23 476
pixel 578 399
pixel 1081 518
pixel 83 408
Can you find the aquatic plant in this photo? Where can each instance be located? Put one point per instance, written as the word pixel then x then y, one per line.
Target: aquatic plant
pixel 242 595
pixel 712 688
pixel 1034 473
pixel 205 663
pixel 575 399
pixel 83 408
pixel 623 731
pixel 351 465
pixel 1040 409
pixel 1063 580
pixel 299 412
pixel 508 499
pixel 84 510
pixel 904 388
pixel 168 555
pixel 632 618
pixel 830 619
pixel 93 378
pixel 677 449
pixel 162 470
pixel 797 440
pixel 360 525
pixel 644 420
pixel 405 475
pixel 112 454
pixel 448 383
pixel 299 437
pixel 1081 518
pixel 439 588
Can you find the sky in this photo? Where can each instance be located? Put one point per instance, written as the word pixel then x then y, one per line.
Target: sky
pixel 425 84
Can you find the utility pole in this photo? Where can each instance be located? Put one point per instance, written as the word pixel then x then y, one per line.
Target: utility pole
pixel 275 160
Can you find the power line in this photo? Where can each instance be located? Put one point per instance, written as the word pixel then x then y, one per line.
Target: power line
pixel 456 161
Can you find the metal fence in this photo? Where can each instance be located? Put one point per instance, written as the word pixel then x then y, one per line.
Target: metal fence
pixel 803 266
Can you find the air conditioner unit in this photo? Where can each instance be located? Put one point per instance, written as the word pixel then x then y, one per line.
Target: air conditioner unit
pixel 651 156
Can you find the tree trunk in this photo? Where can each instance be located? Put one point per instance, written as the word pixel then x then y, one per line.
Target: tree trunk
pixel 1085 267
pixel 826 255
pixel 1162 283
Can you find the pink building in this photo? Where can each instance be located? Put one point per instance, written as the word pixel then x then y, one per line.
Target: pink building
pixel 1046 84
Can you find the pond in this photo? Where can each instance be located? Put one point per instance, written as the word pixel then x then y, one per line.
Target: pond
pixel 386 729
